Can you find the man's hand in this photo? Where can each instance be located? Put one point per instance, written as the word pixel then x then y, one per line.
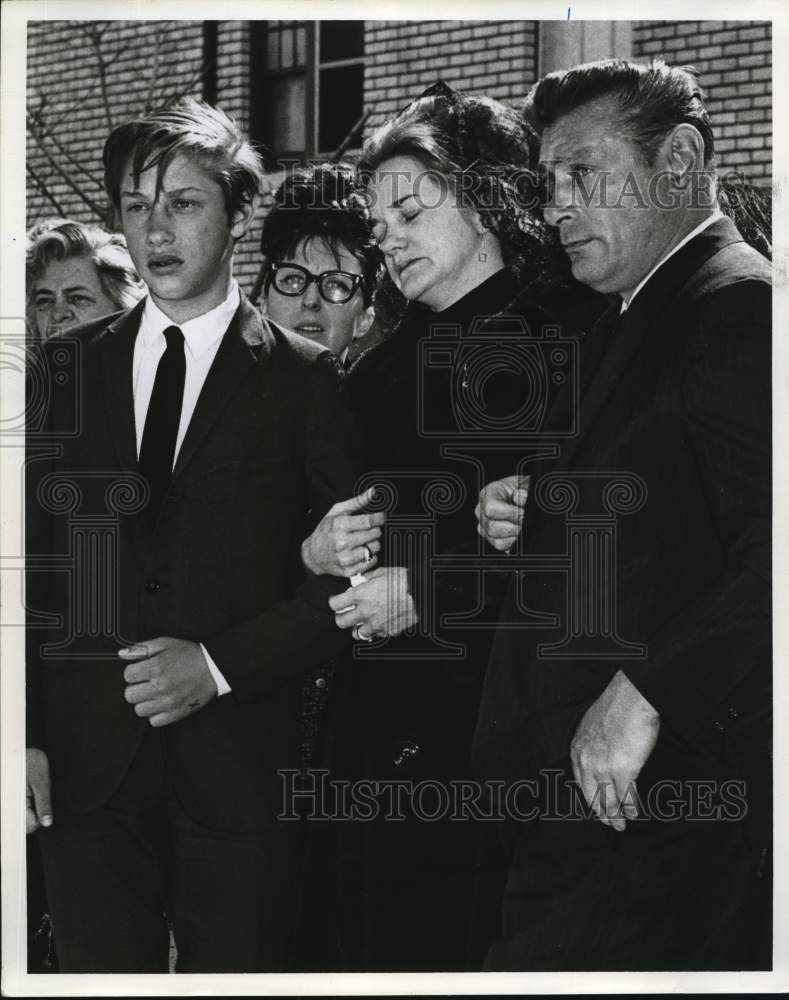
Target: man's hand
pixel 500 511
pixel 39 794
pixel 346 541
pixel 611 745
pixel 382 606
pixel 167 680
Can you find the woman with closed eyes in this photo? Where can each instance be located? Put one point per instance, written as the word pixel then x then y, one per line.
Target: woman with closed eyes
pixel 453 207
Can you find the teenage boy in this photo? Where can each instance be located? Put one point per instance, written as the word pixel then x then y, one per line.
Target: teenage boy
pixel 228 437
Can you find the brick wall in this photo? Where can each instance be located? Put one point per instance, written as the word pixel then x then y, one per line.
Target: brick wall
pixel 733 59
pixel 498 58
pixel 233 96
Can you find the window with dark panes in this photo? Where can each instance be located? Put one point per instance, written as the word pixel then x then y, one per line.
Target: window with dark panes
pixel 307 82
pixel 279 85
pixel 341 84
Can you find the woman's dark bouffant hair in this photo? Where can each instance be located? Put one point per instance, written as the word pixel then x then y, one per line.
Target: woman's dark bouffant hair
pixel 489 154
pixel 483 148
pixel 322 202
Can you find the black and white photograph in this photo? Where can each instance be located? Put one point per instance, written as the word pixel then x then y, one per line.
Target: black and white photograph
pixel 393 561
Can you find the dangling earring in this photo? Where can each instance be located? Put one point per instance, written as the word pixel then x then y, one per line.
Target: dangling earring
pixel 481 255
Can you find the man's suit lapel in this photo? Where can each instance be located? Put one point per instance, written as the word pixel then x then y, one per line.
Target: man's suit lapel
pixel 117 358
pixel 644 317
pixel 246 345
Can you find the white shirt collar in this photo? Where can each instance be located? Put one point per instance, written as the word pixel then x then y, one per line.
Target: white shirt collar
pixel 717 214
pixel 199 333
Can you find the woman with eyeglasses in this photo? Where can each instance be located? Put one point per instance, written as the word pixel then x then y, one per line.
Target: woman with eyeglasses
pixel 321 262
pixel 321 266
pixel 442 403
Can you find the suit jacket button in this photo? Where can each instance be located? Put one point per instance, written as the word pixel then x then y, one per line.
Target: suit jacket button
pixel 733 713
pixel 152 586
pixel 320 682
pixel 719 726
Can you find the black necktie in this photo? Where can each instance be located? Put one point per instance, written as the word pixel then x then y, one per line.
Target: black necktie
pixel 161 422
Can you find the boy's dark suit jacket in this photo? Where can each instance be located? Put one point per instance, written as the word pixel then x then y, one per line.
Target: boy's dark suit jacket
pixel 266 454
pixel 681 397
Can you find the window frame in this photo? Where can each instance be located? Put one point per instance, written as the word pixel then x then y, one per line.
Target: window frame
pixel 310 71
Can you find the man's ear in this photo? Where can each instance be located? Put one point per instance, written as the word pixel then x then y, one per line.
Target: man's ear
pixel 684 152
pixel 363 322
pixel 242 218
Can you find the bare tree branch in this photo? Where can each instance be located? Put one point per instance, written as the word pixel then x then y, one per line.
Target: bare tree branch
pixel 79 101
pixel 95 207
pixel 189 87
pixel 102 66
pixel 157 50
pixel 41 132
pixel 43 189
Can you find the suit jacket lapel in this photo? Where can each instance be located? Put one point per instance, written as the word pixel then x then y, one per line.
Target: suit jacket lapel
pixel 117 357
pixel 246 344
pixel 647 312
pixel 117 360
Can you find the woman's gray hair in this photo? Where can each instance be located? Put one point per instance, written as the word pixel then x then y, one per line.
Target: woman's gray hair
pixel 61 239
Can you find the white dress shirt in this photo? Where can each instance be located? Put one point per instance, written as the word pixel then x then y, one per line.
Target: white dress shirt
pixel 202 337
pixel 717 214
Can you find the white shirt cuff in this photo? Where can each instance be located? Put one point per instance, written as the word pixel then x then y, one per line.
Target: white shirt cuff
pixel 222 687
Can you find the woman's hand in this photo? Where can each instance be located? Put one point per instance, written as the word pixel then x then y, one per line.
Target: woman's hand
pixel 346 541
pixel 382 606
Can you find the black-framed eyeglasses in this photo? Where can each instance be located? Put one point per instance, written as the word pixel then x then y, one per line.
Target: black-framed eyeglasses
pixel 335 287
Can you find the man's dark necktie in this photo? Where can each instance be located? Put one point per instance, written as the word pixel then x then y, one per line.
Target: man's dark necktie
pixel 161 422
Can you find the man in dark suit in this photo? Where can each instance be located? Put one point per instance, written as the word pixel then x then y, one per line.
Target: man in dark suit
pixel 186 451
pixel 642 721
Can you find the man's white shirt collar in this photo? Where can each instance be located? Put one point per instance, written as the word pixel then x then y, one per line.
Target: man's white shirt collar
pixel 717 214
pixel 200 333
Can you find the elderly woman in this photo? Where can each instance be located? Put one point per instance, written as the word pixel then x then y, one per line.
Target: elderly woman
pixel 76 273
pixel 442 403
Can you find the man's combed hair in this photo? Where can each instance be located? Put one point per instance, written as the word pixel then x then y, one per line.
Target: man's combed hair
pixel 652 99
pixel 322 203
pixel 63 239
pixel 188 127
